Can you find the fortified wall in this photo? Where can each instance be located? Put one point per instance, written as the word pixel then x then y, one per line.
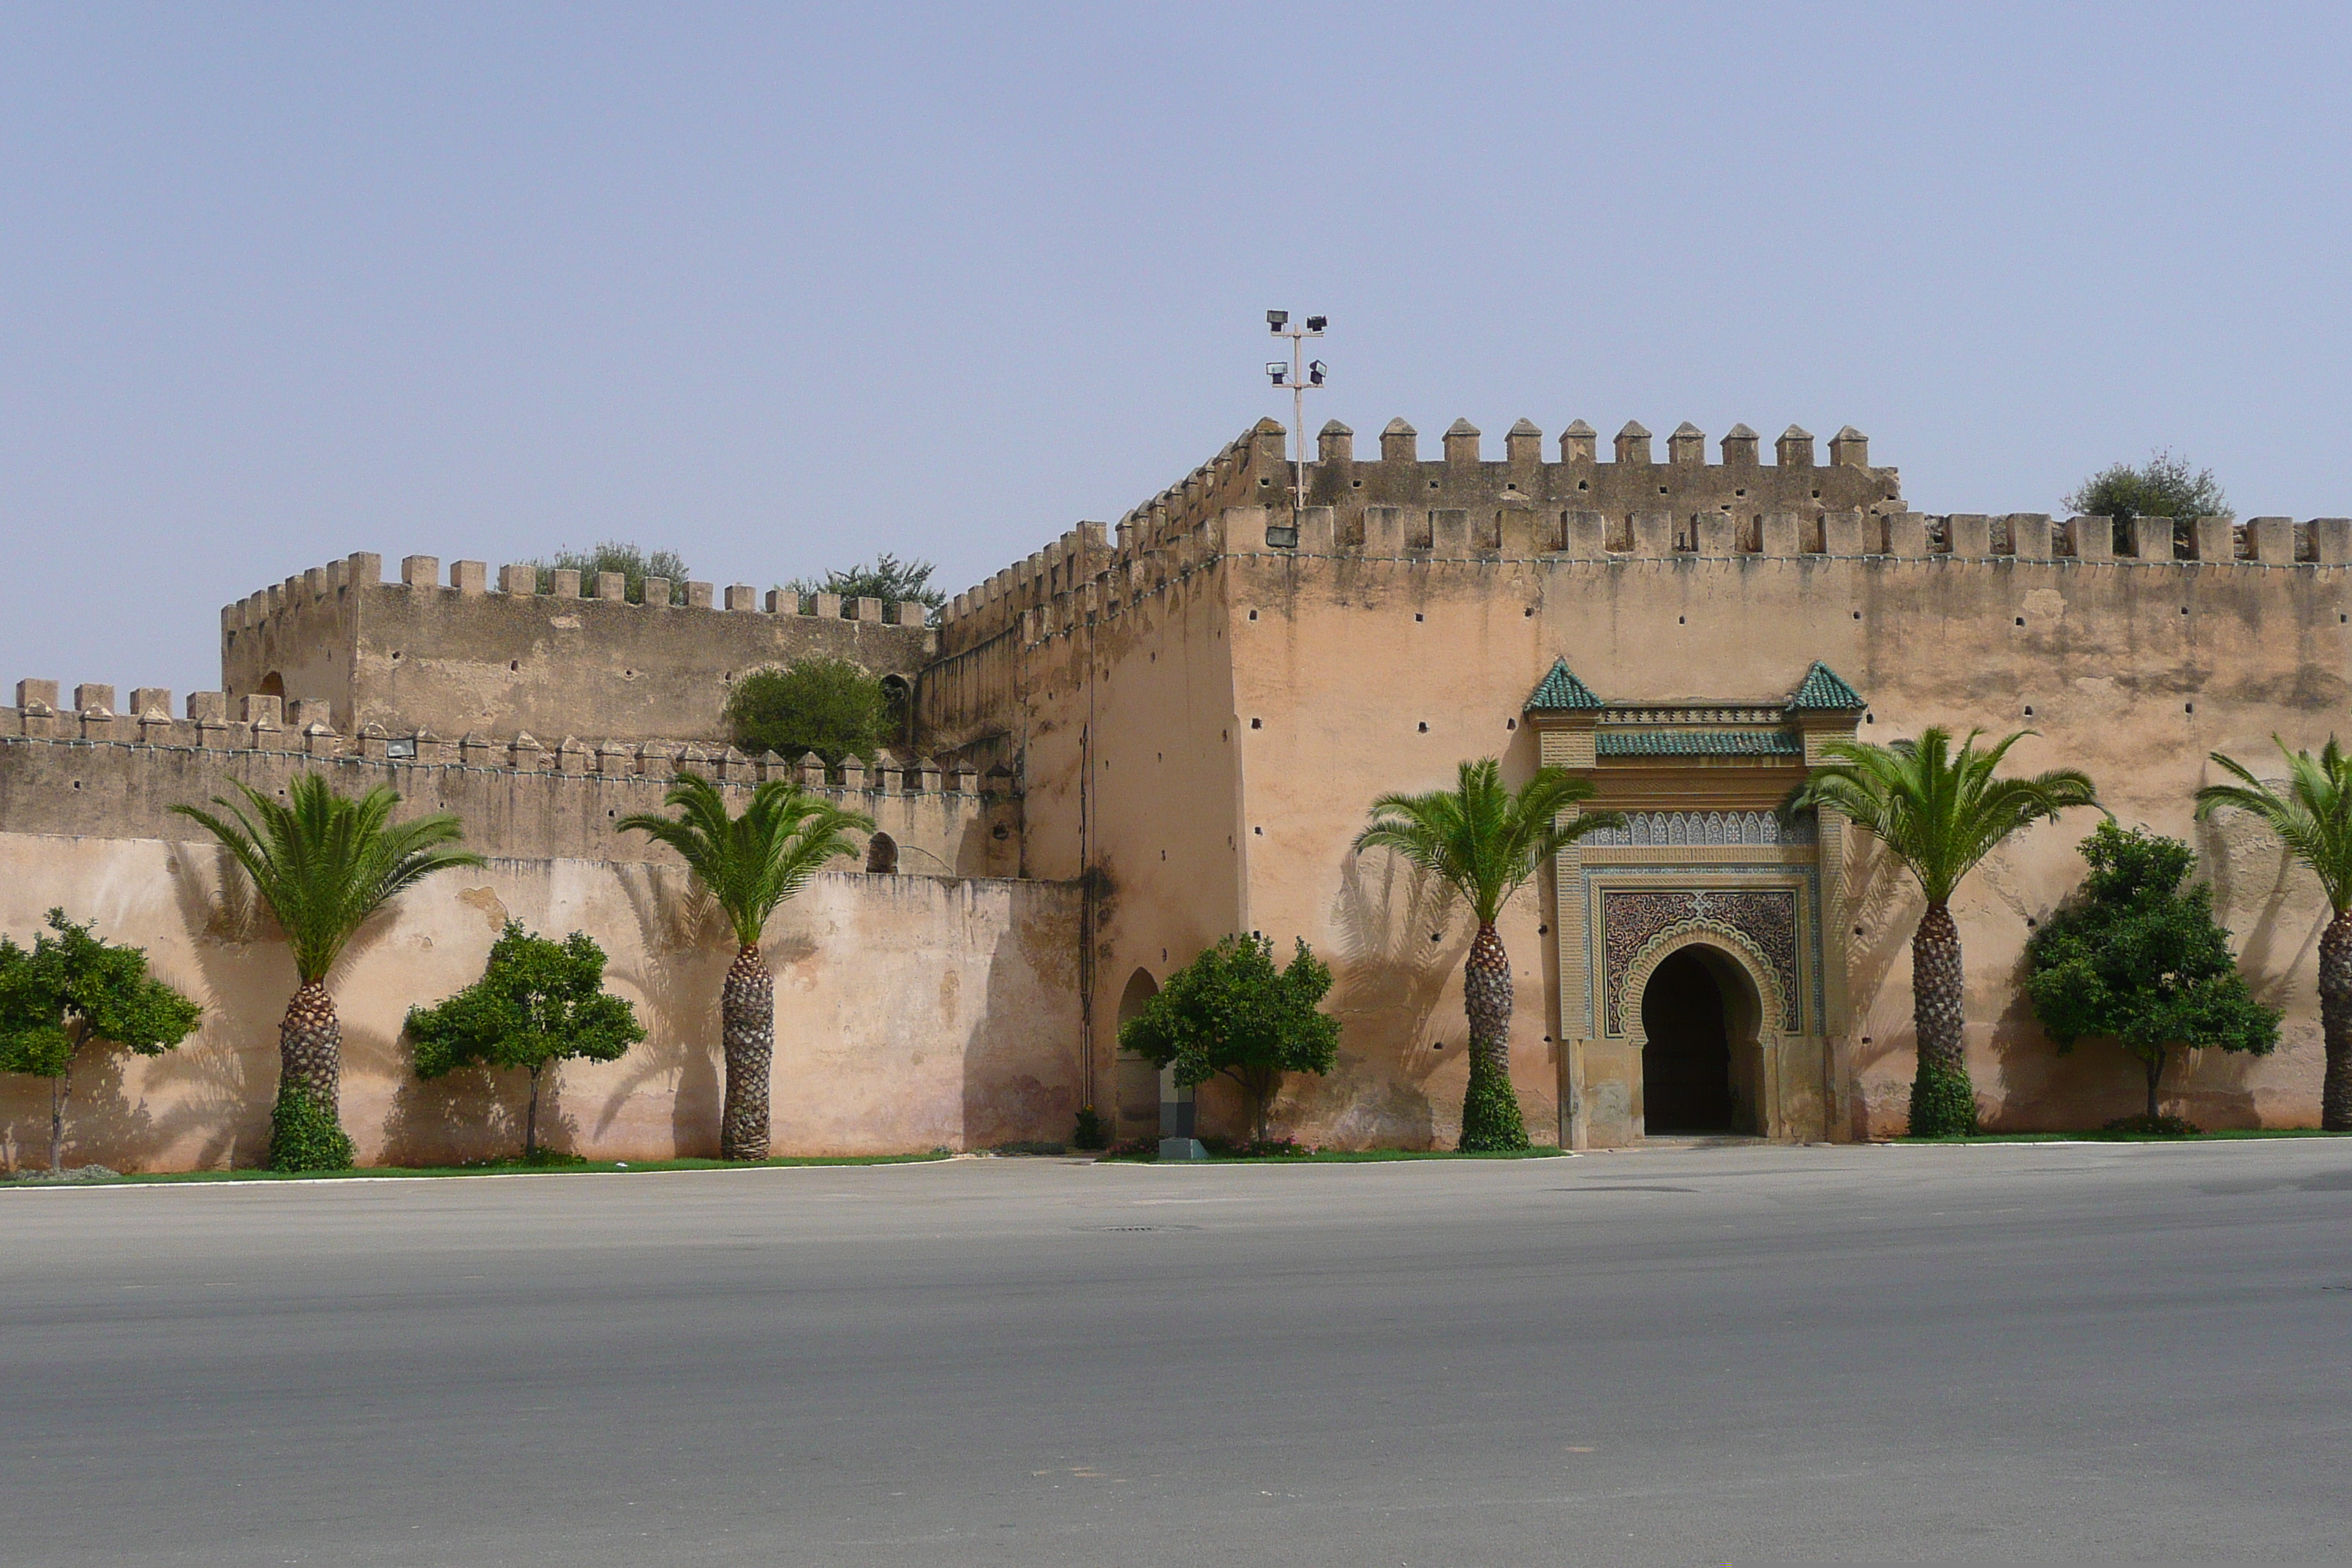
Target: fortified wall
pixel 936 1007
pixel 459 657
pixel 1138 741
pixel 1205 711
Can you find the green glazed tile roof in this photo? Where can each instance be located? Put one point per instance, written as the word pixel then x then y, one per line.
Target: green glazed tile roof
pixel 1561 689
pixel 1699 743
pixel 1822 688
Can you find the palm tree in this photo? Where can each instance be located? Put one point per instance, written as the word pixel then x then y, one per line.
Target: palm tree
pixel 1938 811
pixel 1487 842
pixel 323 863
pixel 2312 814
pixel 750 864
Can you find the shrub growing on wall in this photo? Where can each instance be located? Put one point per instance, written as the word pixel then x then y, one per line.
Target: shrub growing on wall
pixel 71 989
pixel 537 1003
pixel 633 564
pixel 828 706
pixel 889 579
pixel 1231 1014
pixel 2164 486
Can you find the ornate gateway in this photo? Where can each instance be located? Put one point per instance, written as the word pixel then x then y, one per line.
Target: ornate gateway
pixel 1706 860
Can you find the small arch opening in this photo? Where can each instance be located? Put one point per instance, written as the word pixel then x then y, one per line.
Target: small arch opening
pixel 272 685
pixel 898 706
pixel 882 853
pixel 1137 1086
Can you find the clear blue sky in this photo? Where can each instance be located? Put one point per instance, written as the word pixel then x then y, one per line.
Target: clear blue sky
pixel 781 287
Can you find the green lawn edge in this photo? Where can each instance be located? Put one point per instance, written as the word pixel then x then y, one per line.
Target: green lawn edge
pixel 503 1168
pixel 2224 1135
pixel 1342 1157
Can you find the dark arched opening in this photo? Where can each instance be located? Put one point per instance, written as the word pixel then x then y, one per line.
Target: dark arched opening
pixel 882 853
pixel 272 685
pixel 1686 1049
pixel 1138 1087
pixel 898 710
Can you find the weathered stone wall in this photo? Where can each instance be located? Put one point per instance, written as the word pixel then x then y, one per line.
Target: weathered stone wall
pixel 1322 666
pixel 461 658
pixel 912 1013
pixel 70 776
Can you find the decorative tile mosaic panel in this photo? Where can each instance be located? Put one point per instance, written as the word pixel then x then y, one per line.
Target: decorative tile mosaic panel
pixel 1631 919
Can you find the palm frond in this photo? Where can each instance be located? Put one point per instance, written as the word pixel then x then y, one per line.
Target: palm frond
pixel 1937 810
pixel 2310 811
pixel 324 863
pixel 751 863
pixel 1479 836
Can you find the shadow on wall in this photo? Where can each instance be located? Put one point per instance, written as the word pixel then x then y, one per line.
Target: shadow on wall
pixel 99 1115
pixel 1020 1081
pixel 1883 901
pixel 1388 979
pixel 687 947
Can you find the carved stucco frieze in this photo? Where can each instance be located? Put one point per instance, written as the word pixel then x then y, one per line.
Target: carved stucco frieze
pixel 1633 920
pixel 1680 827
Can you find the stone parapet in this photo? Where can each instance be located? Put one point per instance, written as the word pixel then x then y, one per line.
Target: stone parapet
pixel 461 655
pixel 119 776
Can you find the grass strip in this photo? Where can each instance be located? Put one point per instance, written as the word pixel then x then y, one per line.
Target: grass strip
pixel 487 1168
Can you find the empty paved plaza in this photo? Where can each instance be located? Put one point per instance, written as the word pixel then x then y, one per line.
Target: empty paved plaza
pixel 1677 1356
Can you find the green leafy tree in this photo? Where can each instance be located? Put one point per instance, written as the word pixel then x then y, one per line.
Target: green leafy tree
pixel 1230 1012
pixel 633 564
pixel 749 865
pixel 889 579
pixel 323 863
pixel 2137 958
pixel 537 1003
pixel 2164 486
pixel 73 988
pixel 828 706
pixel 1938 811
pixel 2311 813
pixel 1487 843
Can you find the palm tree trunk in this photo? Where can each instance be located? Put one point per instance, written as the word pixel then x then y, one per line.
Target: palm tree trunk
pixel 310 1046
pixel 1490 1108
pixel 305 1130
pixel 2335 1022
pixel 747 1008
pixel 1943 1101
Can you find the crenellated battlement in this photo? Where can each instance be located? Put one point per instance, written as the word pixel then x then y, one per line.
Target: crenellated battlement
pixel 1578 508
pixel 1424 502
pixel 213 721
pixel 471 579
pixel 459 654
pixel 92 771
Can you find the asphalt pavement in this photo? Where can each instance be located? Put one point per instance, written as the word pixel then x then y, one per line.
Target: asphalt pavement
pixel 1997 1353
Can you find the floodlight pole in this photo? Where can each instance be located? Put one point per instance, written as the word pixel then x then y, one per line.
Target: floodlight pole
pixel 1298 390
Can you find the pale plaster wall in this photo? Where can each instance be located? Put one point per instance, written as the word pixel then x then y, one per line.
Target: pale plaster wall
pixel 2133 669
pixel 1349 656
pixel 912 1012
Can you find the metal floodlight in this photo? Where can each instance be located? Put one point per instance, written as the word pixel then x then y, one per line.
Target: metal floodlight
pixel 1315 372
pixel 1277 372
pixel 1276 320
pixel 1316 323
